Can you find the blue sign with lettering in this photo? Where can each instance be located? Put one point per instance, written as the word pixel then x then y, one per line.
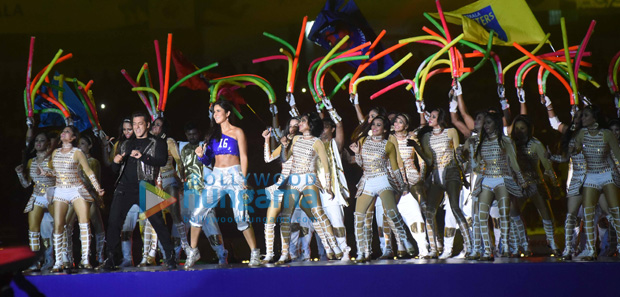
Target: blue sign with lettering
pixel 487 19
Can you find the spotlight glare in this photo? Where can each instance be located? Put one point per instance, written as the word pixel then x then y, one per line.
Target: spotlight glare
pixel 102 106
pixel 303 90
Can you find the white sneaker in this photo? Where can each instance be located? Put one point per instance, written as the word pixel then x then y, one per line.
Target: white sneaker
pixel 255 257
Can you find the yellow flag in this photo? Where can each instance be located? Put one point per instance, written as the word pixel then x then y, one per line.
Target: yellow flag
pixel 512 21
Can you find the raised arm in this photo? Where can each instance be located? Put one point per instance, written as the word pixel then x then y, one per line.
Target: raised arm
pixel 358 110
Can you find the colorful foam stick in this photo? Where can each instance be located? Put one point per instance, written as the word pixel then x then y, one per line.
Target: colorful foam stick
pixel 615 75
pixel 45 73
pixel 291 85
pixel 356 51
pixel 163 102
pixel 548 68
pixel 91 105
pixel 145 89
pixel 160 71
pixel 333 50
pixel 89 85
pixel 363 66
pixel 147 82
pixel 65 112
pixel 40 74
pixel 29 106
pixel 582 47
pixel 430 64
pixel 269 58
pixel 536 49
pixel 262 82
pixel 318 87
pixel 610 73
pixel 281 41
pixel 340 84
pixel 140 93
pixel 140 73
pixel 80 96
pixel 290 58
pixel 392 86
pixel 448 37
pixel 573 83
pixel 197 72
pixel 384 74
pixel 257 80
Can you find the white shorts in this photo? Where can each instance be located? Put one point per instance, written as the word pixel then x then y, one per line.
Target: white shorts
pixel 68 195
pixel 301 181
pixel 221 182
pixel 598 180
pixel 374 186
pixel 490 183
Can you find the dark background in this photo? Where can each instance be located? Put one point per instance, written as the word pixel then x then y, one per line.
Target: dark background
pixel 119 34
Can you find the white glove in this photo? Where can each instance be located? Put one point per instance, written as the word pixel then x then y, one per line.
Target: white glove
pixel 274 109
pixel 456 87
pixel 521 95
pixel 547 101
pixel 586 101
pixel 504 103
pixel 420 105
pixel 318 107
pixel 290 99
pixel 69 121
pixel 454 105
pixel 30 121
pixel 427 115
pixel 327 103
pixel 354 98
pixel 501 91
pixel 573 111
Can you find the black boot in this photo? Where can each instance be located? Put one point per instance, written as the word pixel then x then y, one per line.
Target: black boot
pixel 108 264
pixel 171 262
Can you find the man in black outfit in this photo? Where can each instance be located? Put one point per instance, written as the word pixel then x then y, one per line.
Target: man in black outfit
pixel 139 160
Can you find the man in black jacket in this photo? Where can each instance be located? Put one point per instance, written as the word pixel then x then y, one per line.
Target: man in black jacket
pixel 139 159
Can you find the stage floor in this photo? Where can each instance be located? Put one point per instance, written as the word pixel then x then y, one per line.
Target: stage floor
pixel 535 276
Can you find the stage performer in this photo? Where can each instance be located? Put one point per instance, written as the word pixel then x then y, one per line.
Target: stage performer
pixel 70 190
pixel 382 177
pixel 138 159
pixel 225 145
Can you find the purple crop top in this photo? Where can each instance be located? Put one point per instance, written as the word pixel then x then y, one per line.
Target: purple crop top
pixel 225 146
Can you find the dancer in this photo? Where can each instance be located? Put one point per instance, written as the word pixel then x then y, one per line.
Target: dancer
pixel 303 184
pixel 597 145
pixel 275 196
pixel 138 159
pixel 86 144
pixel 226 148
pixel 170 183
pixel 497 153
pixel 70 190
pixel 382 177
pixel 414 167
pixel 439 146
pixel 194 175
pixel 333 140
pixel 530 155
pixel 37 204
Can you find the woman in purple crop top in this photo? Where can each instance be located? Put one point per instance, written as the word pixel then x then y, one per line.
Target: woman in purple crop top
pixel 227 150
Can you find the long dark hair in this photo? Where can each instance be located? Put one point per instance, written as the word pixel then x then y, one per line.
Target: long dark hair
pixel 314 123
pixel 215 131
pixel 165 127
pixel 121 136
pixel 598 115
pixel 76 132
pixel 497 119
pixel 29 151
pixel 359 130
pixel 287 128
pixel 530 130
pixel 386 123
pixel 441 121
pixel 568 134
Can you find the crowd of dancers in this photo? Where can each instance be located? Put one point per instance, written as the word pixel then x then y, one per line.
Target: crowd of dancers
pixel 409 171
